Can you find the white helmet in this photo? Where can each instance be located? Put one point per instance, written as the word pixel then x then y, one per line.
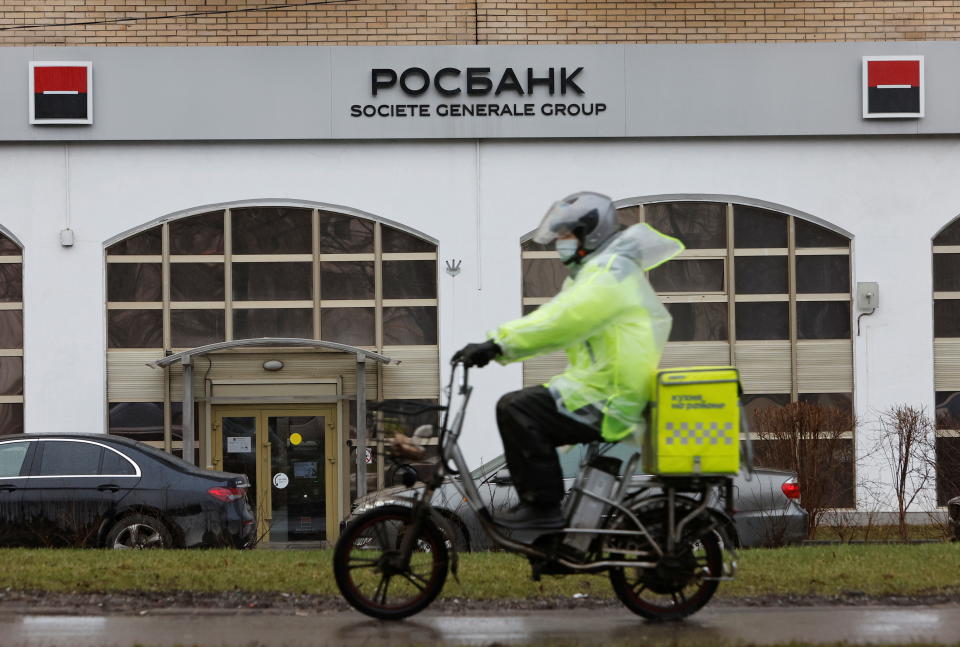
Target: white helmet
pixel 589 216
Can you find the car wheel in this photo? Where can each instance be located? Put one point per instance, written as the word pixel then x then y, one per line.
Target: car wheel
pixel 137 532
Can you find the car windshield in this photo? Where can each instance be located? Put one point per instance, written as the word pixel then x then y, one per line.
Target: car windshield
pixel 490 466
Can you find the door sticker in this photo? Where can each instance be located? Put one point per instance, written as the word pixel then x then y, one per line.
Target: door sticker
pixel 280 480
pixel 238 445
pixel 295 439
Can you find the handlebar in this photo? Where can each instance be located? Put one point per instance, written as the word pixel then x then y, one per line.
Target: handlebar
pixel 465 383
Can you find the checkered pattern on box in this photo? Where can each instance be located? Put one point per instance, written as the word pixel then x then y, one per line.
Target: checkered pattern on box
pixel 699 433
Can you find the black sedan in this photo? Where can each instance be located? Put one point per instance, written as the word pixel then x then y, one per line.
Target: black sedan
pixel 107 491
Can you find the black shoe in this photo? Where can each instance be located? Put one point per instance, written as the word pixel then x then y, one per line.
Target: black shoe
pixel 525 516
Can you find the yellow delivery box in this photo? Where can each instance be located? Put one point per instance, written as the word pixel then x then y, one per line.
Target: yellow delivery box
pixel 694 422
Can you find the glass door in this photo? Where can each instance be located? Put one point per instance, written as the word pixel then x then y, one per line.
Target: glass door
pixel 290 454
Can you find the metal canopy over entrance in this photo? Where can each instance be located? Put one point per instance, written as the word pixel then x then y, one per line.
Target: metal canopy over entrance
pixel 185 358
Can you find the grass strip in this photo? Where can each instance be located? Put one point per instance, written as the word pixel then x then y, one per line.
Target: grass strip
pixel 872 570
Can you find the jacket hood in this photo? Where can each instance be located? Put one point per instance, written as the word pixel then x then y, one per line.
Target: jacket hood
pixel 642 244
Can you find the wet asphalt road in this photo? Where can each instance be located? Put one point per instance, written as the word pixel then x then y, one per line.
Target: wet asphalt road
pixel 760 624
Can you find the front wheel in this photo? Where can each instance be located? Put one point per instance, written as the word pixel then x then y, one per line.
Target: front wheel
pixel 373 575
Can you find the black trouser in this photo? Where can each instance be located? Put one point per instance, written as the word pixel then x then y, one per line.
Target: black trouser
pixel 532 428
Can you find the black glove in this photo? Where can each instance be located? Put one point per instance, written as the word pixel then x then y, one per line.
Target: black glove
pixel 477 354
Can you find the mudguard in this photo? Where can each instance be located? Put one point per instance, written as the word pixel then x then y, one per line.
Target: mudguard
pixel 711 519
pixel 726 527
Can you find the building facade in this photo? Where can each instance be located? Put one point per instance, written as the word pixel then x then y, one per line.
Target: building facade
pixel 220 207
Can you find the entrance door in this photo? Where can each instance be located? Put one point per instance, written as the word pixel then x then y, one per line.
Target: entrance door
pixel 290 453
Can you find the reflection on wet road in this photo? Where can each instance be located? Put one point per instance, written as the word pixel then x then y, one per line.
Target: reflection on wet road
pixel 754 624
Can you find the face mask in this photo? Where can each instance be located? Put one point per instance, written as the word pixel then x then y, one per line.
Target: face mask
pixel 567 248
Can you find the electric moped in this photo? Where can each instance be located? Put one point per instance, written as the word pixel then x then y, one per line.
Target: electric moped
pixel 666 544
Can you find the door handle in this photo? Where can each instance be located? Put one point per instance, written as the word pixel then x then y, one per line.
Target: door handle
pixel 8 487
pixel 109 487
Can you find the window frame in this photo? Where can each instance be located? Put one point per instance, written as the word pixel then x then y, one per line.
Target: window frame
pixel 951 431
pixel 229 306
pixel 16 306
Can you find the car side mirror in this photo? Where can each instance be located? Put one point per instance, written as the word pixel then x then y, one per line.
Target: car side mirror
pixel 503 477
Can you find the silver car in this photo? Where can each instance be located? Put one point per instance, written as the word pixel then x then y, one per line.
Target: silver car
pixel 767 501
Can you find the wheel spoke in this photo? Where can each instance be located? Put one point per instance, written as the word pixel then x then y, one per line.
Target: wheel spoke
pixel 371 564
pixel 419 577
pixel 412 578
pixel 381 593
pixel 153 541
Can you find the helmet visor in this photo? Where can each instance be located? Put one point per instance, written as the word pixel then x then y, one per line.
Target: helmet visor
pixel 559 221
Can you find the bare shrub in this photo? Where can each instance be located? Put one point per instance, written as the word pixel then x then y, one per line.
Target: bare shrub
pixel 808 439
pixel 906 444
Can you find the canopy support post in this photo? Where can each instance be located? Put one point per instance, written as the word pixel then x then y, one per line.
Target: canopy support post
pixel 188 422
pixel 361 425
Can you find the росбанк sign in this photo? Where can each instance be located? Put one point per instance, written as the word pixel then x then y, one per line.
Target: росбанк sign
pixel 512 93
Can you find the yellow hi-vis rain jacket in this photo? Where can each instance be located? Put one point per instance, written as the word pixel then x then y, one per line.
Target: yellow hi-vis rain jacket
pixel 612 326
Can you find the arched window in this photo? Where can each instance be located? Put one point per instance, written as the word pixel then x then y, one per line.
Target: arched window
pixel 766 290
pixel 946 359
pixel 11 335
pixel 262 271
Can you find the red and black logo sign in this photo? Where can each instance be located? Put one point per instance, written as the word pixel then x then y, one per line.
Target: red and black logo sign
pixel 61 93
pixel 893 86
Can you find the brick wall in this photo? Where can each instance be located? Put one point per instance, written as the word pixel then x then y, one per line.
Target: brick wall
pixel 436 22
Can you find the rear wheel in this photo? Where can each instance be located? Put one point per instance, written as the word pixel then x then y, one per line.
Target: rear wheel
pixel 138 532
pixel 372 574
pixel 680 584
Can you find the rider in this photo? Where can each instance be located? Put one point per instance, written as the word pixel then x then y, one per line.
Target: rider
pixel 613 328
